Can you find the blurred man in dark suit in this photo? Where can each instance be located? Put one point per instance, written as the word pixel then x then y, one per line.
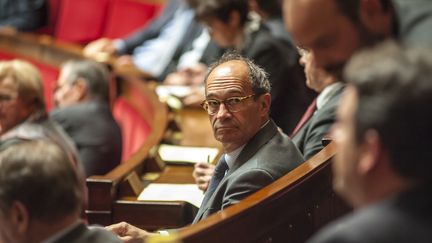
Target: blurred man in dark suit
pixel 383 162
pixel 84 113
pixel 332 30
pixel 41 197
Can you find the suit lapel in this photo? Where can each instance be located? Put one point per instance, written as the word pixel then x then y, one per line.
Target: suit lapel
pixel 254 144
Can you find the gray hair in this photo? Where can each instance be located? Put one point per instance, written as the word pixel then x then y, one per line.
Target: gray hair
pixel 257 75
pixel 96 76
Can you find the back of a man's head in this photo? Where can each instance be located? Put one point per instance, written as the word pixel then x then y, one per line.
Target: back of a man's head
pixel 39 175
pixel 95 75
pixel 394 89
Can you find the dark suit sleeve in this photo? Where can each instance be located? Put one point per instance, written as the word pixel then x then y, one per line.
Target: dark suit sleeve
pixel 318 130
pixel 287 83
pixel 265 57
pixel 152 30
pixel 23 15
pixel 246 184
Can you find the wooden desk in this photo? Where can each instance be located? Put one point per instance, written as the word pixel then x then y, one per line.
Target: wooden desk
pixel 196 128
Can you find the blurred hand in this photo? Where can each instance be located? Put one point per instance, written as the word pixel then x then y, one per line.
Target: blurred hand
pixel 177 78
pixel 103 45
pixel 193 75
pixel 129 233
pixel 202 174
pixel 196 73
pixel 195 97
pixel 125 60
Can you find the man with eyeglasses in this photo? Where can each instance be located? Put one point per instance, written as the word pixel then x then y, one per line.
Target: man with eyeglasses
pixel 256 153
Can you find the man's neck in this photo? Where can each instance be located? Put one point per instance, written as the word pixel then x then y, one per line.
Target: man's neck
pixel 43 231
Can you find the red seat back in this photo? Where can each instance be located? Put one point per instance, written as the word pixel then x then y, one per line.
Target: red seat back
pixel 135 129
pixel 126 16
pixel 81 21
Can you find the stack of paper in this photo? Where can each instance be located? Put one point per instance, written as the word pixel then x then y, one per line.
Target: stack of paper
pixel 173 192
pixel 184 154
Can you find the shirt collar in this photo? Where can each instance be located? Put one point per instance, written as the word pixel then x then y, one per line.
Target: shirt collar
pixel 327 93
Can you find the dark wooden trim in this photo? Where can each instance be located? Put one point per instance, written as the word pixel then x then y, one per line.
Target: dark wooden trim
pixel 289 210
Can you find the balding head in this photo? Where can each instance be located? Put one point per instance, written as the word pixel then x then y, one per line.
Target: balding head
pixel 329 32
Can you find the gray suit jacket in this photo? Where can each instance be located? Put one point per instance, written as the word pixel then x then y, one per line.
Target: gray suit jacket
pixel 401 219
pixel 308 139
pixel 82 234
pixel 267 156
pixel 414 21
pixel 95 133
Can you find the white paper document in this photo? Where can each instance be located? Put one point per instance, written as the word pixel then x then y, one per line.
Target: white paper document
pixel 176 90
pixel 173 192
pixel 184 154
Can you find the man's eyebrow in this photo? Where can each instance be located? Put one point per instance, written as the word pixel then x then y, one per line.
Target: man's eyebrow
pixel 229 92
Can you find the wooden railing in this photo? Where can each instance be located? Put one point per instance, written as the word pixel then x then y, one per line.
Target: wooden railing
pixel 288 210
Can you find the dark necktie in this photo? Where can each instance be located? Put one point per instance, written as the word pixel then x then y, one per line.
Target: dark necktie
pixel 305 118
pixel 217 177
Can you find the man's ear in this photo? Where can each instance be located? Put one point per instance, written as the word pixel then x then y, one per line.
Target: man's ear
pixel 265 102
pixel 375 17
pixel 371 153
pixel 19 218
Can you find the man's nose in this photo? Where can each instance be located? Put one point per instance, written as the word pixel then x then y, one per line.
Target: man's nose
pixel 223 111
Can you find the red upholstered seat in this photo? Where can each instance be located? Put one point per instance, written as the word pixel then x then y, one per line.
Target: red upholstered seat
pixel 81 21
pixel 135 129
pixel 126 16
pixel 49 76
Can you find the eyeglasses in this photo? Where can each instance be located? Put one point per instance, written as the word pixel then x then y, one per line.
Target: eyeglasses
pixel 7 98
pixel 233 104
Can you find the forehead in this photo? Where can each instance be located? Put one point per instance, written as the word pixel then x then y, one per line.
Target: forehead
pixel 309 19
pixel 229 76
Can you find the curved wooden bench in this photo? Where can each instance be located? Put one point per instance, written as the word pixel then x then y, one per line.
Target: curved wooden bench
pixel 289 210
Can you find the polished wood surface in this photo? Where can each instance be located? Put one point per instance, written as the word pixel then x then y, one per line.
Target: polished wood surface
pixel 196 129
